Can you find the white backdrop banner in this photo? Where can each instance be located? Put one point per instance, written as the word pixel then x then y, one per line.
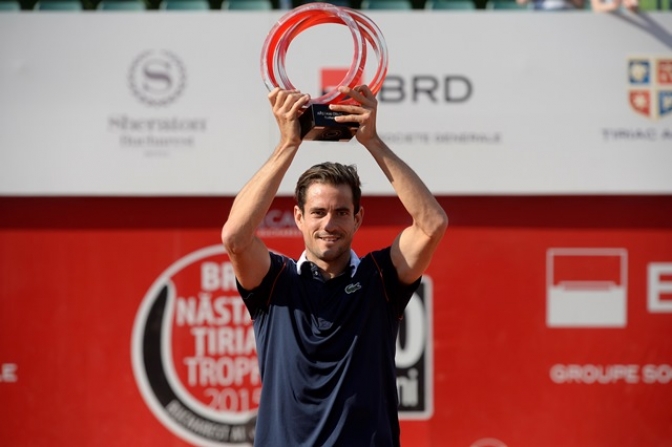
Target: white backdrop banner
pixel 173 103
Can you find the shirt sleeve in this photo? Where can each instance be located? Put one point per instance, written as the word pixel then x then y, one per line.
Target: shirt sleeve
pixel 398 294
pixel 258 299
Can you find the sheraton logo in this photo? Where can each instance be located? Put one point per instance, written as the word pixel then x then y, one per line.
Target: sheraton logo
pixel 157 77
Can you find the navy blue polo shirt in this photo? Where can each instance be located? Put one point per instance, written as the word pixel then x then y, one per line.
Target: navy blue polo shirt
pixel 326 352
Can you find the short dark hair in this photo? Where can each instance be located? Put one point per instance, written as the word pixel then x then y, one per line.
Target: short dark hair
pixel 333 174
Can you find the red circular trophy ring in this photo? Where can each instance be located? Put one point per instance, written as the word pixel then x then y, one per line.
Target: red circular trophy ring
pixel 299 19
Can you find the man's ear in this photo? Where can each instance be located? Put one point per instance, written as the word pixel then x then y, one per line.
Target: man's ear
pixel 298 216
pixel 359 217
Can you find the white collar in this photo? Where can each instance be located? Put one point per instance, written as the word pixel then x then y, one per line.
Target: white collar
pixel 354 262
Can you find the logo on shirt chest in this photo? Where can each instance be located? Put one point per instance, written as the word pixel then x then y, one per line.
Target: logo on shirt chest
pixel 352 288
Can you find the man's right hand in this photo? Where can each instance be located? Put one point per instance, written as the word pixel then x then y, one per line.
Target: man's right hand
pixel 287 106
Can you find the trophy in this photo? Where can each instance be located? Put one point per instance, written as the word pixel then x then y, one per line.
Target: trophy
pixel 316 120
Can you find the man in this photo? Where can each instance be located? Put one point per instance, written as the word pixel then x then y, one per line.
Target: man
pixel 326 325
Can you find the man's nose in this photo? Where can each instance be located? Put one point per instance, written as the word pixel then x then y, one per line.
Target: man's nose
pixel 329 221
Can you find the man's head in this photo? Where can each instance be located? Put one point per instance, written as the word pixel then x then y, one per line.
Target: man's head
pixel 328 213
pixel 332 174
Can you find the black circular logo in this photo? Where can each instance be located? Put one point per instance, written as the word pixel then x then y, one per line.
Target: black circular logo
pixel 194 355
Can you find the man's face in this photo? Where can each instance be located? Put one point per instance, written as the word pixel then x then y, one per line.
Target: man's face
pixel 328 223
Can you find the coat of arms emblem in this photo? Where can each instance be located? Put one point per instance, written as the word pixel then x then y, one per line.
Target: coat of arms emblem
pixel 650 86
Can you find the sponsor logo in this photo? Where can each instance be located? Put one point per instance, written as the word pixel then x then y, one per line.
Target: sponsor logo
pixel 659 290
pixel 650 86
pixel 193 352
pixel 630 134
pixel 330 78
pixel 278 223
pixel 415 364
pixel 425 88
pixel 589 374
pixel 586 287
pixel 422 89
pixel 157 77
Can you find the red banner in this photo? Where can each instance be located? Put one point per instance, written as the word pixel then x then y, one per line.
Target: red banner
pixel 541 321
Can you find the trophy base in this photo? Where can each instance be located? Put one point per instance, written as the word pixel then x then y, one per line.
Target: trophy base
pixel 317 124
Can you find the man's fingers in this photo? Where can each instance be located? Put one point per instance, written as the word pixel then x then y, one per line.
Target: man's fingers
pixel 278 97
pixel 350 114
pixel 365 91
pixel 351 92
pixel 361 94
pixel 273 95
pixel 300 102
pixel 289 100
pixel 347 108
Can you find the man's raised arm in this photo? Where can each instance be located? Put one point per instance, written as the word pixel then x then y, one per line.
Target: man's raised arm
pixel 412 250
pixel 248 254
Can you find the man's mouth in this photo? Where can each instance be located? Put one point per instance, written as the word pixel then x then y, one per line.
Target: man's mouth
pixel 329 238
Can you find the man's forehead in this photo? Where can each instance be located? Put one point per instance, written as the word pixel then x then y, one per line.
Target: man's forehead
pixel 326 193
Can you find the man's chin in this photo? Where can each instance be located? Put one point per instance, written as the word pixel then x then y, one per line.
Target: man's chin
pixel 331 252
